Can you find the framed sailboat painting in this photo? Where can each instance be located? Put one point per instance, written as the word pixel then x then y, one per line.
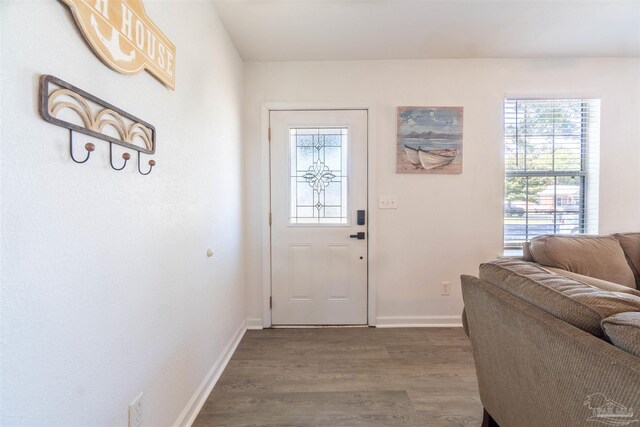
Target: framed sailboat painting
pixel 429 140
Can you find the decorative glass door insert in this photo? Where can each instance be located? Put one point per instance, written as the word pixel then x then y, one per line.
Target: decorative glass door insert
pixel 318 175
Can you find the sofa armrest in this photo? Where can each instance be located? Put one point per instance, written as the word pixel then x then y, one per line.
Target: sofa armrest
pixel 465 325
pixel 534 369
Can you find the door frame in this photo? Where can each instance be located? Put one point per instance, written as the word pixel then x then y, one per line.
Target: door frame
pixel 265 174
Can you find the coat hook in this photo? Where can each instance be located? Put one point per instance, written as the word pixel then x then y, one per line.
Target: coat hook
pixel 88 146
pixel 152 163
pixel 125 156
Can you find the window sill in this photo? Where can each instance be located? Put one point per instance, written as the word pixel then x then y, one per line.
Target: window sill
pixel 513 253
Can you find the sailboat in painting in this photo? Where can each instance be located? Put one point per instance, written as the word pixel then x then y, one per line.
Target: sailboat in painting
pixel 429 159
pixel 412 153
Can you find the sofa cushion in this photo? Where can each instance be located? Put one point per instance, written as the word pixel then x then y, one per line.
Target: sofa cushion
pixel 630 244
pixel 577 303
pixel 594 256
pixel 598 283
pixel 526 252
pixel 623 330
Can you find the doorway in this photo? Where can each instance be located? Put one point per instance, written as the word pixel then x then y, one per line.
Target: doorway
pixel 319 251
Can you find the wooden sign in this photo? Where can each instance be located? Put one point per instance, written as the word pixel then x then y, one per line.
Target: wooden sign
pixel 124 37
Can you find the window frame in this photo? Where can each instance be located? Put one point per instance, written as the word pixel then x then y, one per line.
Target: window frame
pixel 582 174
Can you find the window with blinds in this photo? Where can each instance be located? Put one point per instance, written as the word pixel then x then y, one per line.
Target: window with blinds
pixel 551 168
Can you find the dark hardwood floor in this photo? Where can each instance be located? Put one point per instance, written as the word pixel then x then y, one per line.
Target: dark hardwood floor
pixel 347 377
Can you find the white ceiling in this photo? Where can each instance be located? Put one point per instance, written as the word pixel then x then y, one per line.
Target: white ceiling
pixel 290 30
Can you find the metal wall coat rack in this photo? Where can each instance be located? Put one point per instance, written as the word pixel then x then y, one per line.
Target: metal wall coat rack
pixel 134 134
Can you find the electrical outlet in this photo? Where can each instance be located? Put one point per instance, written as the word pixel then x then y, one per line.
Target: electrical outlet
pixel 388 202
pixel 135 412
pixel 445 288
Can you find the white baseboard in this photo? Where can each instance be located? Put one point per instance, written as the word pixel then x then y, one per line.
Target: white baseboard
pixel 190 412
pixel 254 324
pixel 450 321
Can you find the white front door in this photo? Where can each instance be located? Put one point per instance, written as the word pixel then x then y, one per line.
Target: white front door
pixel 318 185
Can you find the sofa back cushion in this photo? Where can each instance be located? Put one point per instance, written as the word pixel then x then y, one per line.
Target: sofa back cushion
pixel 526 252
pixel 630 244
pixel 579 304
pixel 595 256
pixel 623 330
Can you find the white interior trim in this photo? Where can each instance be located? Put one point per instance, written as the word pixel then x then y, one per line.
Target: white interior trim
pixel 419 321
pixel 266 198
pixel 255 323
pixel 190 412
pixel 372 215
pixel 264 214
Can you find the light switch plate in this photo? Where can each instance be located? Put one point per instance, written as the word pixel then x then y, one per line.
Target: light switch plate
pixel 388 202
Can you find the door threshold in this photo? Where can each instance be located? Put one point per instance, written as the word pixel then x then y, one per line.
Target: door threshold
pixel 316 326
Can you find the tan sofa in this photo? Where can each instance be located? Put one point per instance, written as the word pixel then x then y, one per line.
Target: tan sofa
pixel 556 335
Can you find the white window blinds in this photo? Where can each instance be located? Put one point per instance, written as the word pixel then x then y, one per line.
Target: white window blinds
pixel 551 168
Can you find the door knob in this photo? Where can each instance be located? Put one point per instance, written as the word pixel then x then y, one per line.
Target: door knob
pixel 359 235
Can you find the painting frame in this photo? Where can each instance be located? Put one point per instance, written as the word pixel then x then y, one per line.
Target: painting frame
pixel 429 140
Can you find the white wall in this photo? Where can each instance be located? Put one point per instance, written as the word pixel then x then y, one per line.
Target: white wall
pixel 445 224
pixel 106 287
